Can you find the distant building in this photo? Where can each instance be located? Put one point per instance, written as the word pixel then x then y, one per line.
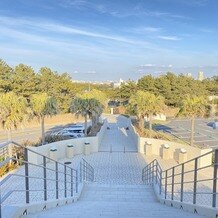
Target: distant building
pixel 189 75
pixel 201 76
pixel 118 84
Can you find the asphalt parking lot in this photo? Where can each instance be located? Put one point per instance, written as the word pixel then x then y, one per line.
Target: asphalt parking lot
pixel 205 135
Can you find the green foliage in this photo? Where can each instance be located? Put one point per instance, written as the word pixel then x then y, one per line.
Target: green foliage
pixel 147 83
pixel 58 86
pixel 193 106
pixel 53 138
pixel 13 111
pixel 126 90
pixel 87 107
pixel 43 105
pixel 94 94
pixel 173 88
pixel 6 74
pixel 145 104
pixel 24 81
pixel 211 85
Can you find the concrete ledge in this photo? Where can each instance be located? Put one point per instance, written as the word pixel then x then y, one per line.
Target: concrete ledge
pixel 23 210
pixel 61 147
pixel 175 149
pixel 200 210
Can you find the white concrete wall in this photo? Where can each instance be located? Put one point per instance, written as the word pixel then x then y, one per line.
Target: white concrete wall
pixel 61 146
pixel 133 133
pixel 102 131
pixel 192 152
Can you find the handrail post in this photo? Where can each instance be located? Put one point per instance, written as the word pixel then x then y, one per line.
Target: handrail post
pixel 65 181
pixel 26 175
pixel 86 171
pixel 84 176
pixel 172 191
pixel 182 185
pixel 149 175
pixel 93 176
pixel 215 178
pixel 71 184
pixel 56 178
pixel 160 182
pixel 77 181
pixel 156 173
pixel 80 166
pixel 152 173
pixel 45 178
pixel 166 184
pixel 195 181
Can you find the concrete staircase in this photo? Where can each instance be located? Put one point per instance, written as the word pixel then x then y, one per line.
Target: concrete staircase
pixel 115 201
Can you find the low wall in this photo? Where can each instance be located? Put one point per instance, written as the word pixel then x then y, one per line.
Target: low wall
pixel 134 134
pixel 61 146
pixel 174 150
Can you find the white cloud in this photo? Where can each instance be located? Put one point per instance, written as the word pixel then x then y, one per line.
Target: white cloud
pixel 137 11
pixel 147 29
pixel 91 72
pixel 9 26
pixel 148 65
pixel 170 38
pixel 55 27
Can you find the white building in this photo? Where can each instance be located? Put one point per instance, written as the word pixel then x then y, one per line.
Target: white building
pixel 118 84
pixel 201 76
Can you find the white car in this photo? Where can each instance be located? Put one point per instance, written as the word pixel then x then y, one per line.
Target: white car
pixel 65 133
pixel 77 130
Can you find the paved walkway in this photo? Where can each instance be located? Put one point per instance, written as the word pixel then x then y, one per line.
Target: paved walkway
pixel 117 190
pixel 117 138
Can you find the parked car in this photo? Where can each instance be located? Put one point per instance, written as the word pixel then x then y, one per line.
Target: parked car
pixel 65 133
pixel 78 130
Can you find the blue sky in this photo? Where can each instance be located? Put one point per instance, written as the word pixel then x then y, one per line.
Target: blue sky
pixel 111 39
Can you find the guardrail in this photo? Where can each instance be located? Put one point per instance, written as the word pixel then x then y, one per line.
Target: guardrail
pixel 36 183
pixel 187 182
pixel 87 171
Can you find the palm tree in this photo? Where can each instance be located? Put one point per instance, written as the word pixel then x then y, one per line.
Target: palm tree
pixel 145 104
pixel 79 106
pixel 90 107
pixel 42 106
pixel 13 111
pixel 192 107
pixel 95 110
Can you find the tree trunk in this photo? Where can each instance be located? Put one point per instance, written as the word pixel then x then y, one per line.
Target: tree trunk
pixel 150 121
pixel 85 125
pixel 141 122
pixel 192 131
pixel 10 146
pixel 42 119
pixel 93 121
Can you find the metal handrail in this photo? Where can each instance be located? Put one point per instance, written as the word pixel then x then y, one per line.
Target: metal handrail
pixel 167 181
pixel 69 182
pixel 87 171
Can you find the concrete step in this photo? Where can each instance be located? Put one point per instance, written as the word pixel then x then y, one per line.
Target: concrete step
pixel 115 201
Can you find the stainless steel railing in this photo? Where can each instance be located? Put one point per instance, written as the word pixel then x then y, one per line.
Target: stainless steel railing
pixel 40 182
pixel 87 171
pixel 189 182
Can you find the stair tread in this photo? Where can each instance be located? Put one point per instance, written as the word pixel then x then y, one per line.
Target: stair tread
pixel 107 201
